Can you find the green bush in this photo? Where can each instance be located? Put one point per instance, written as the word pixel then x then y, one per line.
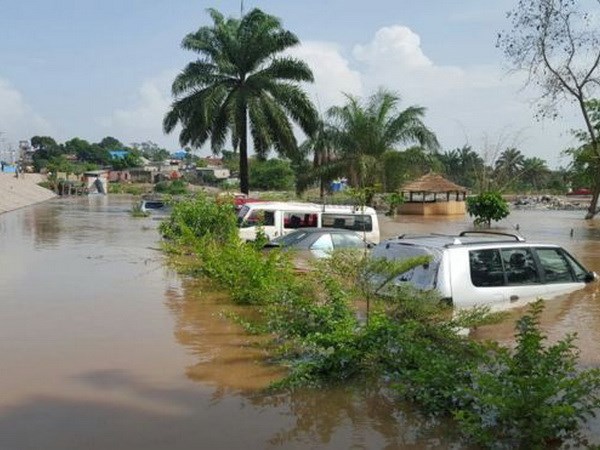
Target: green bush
pixel 175 187
pixel 198 217
pixel 526 398
pixel 487 207
pixel 529 397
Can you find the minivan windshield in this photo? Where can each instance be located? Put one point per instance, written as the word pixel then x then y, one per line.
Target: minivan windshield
pixel 420 277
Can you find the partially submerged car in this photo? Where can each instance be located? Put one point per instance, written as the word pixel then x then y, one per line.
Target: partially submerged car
pixel 315 243
pixel 486 268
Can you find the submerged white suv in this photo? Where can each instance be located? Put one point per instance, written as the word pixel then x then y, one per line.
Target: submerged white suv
pixel 486 267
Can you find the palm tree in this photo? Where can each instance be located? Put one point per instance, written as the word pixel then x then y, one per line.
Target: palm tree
pixel 240 82
pixel 535 171
pixel 363 132
pixel 510 163
pixel 321 146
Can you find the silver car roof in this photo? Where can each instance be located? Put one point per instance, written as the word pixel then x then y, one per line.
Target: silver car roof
pixel 466 238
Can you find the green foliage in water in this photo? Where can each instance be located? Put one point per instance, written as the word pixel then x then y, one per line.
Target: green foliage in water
pixel 526 398
pixel 487 207
pixel 126 188
pixel 175 187
pixel 137 211
pixel 530 396
pixel 200 217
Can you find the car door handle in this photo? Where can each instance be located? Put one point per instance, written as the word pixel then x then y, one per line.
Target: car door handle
pixel 514 298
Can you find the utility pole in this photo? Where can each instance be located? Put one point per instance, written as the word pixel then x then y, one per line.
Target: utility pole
pixel 241 9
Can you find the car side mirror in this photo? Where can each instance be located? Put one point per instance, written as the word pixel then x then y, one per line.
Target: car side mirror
pixel 590 276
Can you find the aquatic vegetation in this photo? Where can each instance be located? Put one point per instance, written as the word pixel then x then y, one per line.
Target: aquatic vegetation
pixel 407 339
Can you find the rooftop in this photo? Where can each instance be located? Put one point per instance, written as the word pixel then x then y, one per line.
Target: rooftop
pixel 432 183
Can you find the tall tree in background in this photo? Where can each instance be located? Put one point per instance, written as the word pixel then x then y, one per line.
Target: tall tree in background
pixel 364 131
pixel 240 81
pixel 535 172
pixel 508 167
pixel 324 168
pixel 558 44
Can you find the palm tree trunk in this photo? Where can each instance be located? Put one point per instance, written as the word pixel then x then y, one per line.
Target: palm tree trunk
pixel 244 176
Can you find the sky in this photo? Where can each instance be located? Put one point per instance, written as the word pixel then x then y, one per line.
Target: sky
pixel 91 68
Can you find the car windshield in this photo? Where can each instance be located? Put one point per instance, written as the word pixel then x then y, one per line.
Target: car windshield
pixel 289 239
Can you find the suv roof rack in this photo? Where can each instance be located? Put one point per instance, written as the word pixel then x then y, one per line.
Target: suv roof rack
pixel 517 237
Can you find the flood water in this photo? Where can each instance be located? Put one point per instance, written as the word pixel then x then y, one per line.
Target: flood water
pixel 102 346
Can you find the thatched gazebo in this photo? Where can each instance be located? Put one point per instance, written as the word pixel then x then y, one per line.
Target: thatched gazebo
pixel 433 195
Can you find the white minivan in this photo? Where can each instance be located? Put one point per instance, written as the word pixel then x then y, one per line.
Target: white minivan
pixel 497 269
pixel 280 218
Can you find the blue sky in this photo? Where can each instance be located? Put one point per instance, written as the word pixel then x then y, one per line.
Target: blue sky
pixel 96 68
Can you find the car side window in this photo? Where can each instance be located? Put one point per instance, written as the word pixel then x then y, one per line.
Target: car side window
pixel 486 268
pixel 578 270
pixel 347 241
pixel 520 266
pixel 555 266
pixel 323 243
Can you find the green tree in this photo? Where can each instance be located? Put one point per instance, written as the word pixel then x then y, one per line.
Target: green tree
pixel 364 131
pixel 272 174
pixel 45 148
pixel 151 150
pixel 463 166
pixel 508 168
pixel 111 143
pixel 557 42
pixel 401 167
pixel 86 152
pixel 486 207
pixel 585 166
pixel 241 81
pixel 535 172
pixel 324 167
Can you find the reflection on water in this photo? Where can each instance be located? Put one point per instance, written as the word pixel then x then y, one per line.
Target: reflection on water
pixel 103 347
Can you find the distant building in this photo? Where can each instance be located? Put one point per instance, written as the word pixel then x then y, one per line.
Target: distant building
pixel 118 154
pixel 179 155
pixel 96 181
pixel 212 161
pixel 433 195
pixel 220 173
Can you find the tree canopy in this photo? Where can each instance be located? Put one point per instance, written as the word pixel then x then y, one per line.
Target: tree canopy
pixel 241 83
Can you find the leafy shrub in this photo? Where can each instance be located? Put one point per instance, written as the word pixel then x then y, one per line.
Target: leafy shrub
pixel 531 396
pixel 198 217
pixel 486 207
pixel 525 398
pixel 175 187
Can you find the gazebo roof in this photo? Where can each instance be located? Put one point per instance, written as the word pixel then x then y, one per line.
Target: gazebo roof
pixel 432 183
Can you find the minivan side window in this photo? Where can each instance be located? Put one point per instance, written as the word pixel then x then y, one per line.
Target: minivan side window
pixel 555 266
pixel 258 217
pixel 355 222
pixel 486 268
pixel 294 220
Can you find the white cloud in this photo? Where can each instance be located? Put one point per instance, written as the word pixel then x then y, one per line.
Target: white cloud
pixel 142 121
pixel 17 119
pixel 465 105
pixel 332 72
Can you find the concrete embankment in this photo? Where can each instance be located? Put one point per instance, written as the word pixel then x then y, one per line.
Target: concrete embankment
pixel 19 192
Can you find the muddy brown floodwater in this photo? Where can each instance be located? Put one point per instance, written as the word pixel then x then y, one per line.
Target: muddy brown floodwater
pixel 103 347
